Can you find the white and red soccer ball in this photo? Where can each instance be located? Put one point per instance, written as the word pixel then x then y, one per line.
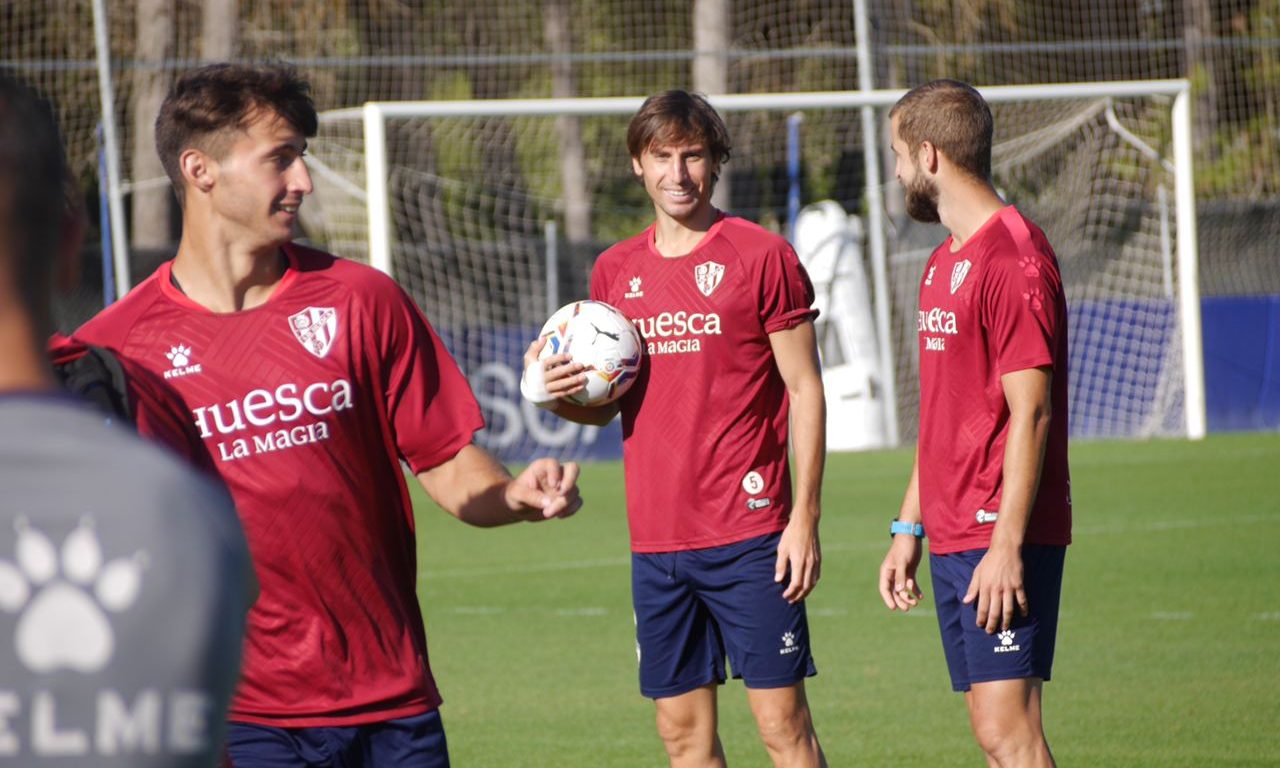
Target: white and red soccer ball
pixel 601 338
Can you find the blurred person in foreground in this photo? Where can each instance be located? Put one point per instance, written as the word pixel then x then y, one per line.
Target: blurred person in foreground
pixel 124 574
pixel 990 486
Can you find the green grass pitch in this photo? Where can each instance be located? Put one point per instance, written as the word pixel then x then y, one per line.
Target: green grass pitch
pixel 1168 653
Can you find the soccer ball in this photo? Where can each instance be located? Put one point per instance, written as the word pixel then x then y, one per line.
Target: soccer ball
pixel 600 338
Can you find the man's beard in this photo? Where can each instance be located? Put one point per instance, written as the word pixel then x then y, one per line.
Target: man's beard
pixel 922 199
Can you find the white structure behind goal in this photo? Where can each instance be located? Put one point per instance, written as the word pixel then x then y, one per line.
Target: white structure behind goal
pixel 453 198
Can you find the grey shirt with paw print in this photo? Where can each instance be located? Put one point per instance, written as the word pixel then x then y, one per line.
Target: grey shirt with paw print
pixel 124 583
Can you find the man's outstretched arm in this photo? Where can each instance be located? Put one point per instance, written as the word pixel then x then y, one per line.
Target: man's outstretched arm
pixel 476 489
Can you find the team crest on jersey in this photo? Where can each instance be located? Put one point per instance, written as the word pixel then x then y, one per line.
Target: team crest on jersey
pixel 314 328
pixel 708 275
pixel 958 274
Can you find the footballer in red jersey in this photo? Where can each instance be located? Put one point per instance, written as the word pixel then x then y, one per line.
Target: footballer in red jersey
pixel 990 486
pixel 724 548
pixel 709 391
pixel 310 379
pixel 307 403
pixel 993 306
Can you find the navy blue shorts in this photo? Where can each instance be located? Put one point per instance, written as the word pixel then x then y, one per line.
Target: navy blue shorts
pixel 695 607
pixel 1025 649
pixel 413 742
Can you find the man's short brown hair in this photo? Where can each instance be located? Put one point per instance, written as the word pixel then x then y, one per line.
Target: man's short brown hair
pixel 678 117
pixel 953 117
pixel 206 104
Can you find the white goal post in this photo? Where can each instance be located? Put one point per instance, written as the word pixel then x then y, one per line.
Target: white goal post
pixel 1175 158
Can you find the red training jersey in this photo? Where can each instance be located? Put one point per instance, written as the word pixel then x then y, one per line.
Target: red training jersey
pixel 705 425
pixel 993 307
pixel 308 403
pixel 158 413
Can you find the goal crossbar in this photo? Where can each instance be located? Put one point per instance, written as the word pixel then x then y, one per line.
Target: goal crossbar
pixel 581 107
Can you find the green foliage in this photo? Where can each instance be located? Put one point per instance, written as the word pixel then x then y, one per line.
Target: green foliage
pixel 1246 162
pixel 1166 654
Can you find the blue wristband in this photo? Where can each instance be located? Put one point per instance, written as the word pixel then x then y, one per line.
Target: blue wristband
pixel 899 526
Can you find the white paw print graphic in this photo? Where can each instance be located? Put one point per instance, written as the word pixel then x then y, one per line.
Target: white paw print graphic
pixel 1006 637
pixel 179 356
pixel 62 625
pixel 788 639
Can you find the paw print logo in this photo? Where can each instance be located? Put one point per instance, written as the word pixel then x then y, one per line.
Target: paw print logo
pixel 1034 298
pixel 179 356
pixel 635 284
pixel 1006 637
pixel 64 597
pixel 1029 266
pixel 788 639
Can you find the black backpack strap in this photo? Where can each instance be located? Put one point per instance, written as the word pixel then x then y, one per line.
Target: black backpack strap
pixel 99 378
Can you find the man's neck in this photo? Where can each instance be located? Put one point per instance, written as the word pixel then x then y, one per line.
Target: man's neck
pixel 24 365
pixel 225 278
pixel 674 238
pixel 965 207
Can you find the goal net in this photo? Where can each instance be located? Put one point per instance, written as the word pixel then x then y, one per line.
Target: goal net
pixel 491 213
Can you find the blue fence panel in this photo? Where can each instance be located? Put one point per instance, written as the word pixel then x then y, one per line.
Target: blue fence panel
pixel 1119 351
pixel 1242 362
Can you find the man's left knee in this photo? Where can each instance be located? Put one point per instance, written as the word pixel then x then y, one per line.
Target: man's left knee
pixel 783 721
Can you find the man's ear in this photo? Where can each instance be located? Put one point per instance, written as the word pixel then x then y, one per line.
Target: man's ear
pixel 199 171
pixel 928 157
pixel 636 167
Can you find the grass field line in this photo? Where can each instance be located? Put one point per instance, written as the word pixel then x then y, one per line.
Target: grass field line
pixel 1155 526
pixel 604 562
pixel 524 568
pixel 814 612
